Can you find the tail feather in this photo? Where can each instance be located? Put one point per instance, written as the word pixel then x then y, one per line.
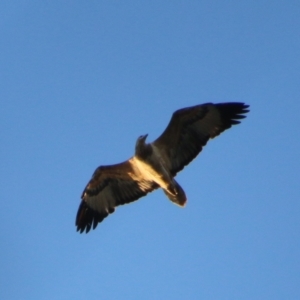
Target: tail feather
pixel 176 195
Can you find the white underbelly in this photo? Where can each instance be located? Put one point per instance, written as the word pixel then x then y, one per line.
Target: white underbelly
pixel 149 173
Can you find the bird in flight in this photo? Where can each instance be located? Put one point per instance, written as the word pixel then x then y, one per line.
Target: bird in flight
pixel 155 165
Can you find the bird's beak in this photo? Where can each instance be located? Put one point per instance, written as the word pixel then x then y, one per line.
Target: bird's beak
pixel 145 136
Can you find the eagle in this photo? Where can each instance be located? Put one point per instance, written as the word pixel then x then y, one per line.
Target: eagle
pixel 155 165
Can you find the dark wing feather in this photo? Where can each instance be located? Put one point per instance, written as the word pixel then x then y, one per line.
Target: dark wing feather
pixel 109 187
pixel 190 128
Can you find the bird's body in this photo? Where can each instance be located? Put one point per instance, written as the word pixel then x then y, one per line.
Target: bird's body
pixel 153 168
pixel 155 165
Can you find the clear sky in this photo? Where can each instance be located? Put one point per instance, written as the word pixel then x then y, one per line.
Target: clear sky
pixel 81 80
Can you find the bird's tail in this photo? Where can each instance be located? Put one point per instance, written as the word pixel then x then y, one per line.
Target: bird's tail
pixel 176 194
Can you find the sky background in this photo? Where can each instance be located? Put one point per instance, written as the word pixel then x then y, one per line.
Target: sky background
pixel 81 80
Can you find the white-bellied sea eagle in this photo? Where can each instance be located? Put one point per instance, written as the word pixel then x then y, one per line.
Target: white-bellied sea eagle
pixel 156 164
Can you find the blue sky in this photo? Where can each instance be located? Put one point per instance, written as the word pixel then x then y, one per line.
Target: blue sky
pixel 80 81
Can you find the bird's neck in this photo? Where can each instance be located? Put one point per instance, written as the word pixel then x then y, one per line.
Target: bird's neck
pixel 143 150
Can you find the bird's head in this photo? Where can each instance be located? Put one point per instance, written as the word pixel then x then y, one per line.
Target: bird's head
pixel 140 145
pixel 141 140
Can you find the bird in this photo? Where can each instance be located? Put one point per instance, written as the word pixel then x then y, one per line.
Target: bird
pixel 155 165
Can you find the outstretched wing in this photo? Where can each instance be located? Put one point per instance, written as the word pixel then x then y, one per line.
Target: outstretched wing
pixel 190 128
pixel 109 187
